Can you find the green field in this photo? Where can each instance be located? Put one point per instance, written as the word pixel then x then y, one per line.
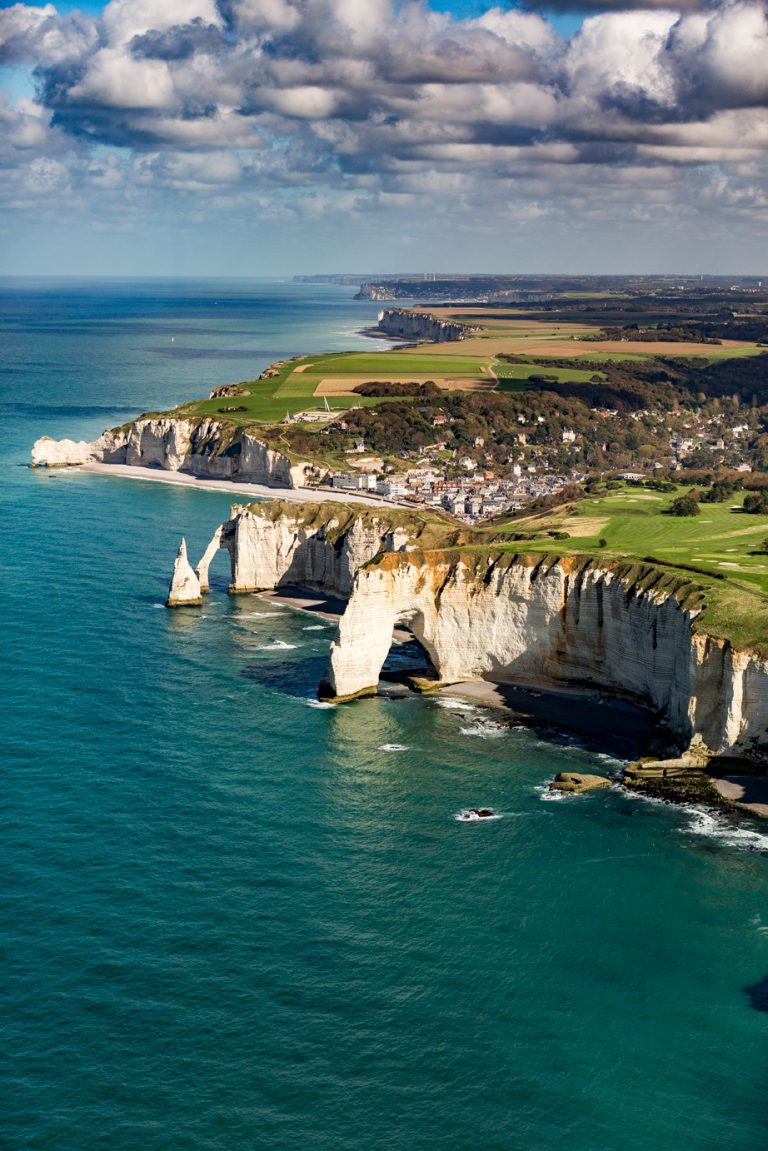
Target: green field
pixel 387 364
pixel 723 541
pixel 291 391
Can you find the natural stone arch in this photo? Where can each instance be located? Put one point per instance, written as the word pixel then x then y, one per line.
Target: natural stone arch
pixel 219 542
pixel 410 658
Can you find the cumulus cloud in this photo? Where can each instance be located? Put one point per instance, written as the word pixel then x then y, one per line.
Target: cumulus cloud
pixel 360 105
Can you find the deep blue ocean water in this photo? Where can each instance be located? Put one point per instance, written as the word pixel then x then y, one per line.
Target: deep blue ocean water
pixel 229 919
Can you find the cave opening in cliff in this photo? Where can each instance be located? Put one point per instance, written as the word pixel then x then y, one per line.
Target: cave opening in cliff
pixel 408 657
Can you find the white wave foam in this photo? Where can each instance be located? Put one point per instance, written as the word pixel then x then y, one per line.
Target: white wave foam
pixel 263 614
pixel 468 815
pixel 548 796
pixel 452 704
pixel 393 747
pixel 713 826
pixel 278 645
pixel 315 627
pixel 610 760
pixel 485 729
pixel 321 704
pixel 708 824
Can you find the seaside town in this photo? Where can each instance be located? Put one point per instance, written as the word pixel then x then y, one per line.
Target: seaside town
pixel 474 485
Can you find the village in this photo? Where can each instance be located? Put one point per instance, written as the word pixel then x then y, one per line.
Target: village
pixel 473 485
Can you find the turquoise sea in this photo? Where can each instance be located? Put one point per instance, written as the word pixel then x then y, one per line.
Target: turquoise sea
pixel 231 920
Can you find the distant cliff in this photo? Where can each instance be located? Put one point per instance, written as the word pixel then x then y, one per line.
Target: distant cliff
pixel 579 622
pixel 461 288
pixel 198 445
pixel 420 326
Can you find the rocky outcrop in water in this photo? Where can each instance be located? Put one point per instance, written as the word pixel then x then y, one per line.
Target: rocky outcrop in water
pixel 574 783
pixel 184 590
pixel 200 446
pixel 420 326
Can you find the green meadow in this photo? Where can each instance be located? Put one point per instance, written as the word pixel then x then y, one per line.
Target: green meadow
pixel 392 363
pixel 723 543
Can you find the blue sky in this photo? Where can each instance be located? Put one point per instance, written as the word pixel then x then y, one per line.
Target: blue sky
pixel 271 136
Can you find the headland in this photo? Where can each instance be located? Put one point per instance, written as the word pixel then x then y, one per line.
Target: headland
pixel 583 493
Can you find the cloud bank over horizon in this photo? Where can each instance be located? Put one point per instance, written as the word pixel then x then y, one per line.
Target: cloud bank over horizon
pixel 305 135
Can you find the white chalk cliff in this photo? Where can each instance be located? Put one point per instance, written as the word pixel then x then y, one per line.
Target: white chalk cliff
pixel 557 623
pixel 201 446
pixel 578 622
pixel 279 544
pixel 421 327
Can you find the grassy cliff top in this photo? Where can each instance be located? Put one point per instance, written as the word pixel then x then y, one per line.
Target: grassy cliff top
pixel 509 349
pixel 720 550
pixel 714 563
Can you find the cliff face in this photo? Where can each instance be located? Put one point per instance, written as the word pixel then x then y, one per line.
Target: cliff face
pixel 204 447
pixel 567 622
pixel 317 545
pixel 555 625
pixel 420 326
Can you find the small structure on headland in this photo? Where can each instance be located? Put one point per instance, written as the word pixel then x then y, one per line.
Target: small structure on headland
pixel 185 585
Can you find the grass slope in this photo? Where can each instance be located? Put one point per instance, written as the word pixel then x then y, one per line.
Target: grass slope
pixel 723 541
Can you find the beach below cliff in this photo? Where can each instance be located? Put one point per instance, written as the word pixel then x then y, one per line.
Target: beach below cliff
pixel 250 491
pixel 747 792
pixel 609 725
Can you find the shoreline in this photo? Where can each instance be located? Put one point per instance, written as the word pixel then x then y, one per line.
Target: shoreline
pixel 245 488
pixel 569 710
pixel 746 792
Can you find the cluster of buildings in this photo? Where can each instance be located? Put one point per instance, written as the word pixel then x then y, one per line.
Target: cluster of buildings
pixel 476 496
pixel 475 487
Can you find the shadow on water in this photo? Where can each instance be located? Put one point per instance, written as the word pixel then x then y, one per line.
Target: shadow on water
pixel 757 993
pixel 602 724
pixel 292 678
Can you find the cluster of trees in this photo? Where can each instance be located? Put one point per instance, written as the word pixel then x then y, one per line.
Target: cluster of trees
pixel 757 503
pixel 426 391
pixel 720 491
pixel 685 506
pixel 640 407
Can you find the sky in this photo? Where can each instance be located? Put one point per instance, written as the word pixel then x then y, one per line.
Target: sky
pixel 280 137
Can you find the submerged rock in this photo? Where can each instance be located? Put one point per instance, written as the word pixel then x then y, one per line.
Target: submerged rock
pixel 575 782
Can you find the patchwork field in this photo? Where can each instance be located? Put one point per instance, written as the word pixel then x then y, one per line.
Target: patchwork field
pixel 305 383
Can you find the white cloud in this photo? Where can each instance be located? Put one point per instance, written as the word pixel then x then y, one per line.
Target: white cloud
pixel 124 19
pixel 366 106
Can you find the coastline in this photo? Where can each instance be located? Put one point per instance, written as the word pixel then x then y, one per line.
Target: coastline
pixel 249 490
pixel 746 792
pixel 568 709
pixel 583 712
